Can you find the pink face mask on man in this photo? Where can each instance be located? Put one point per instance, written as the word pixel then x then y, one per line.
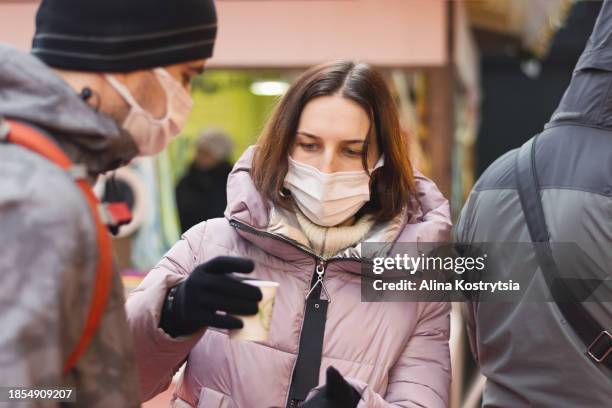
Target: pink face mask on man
pixel 150 134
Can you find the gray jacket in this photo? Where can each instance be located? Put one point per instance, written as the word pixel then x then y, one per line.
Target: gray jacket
pixel 530 356
pixel 48 246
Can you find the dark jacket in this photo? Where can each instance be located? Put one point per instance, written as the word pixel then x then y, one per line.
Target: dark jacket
pixel 530 356
pixel 200 195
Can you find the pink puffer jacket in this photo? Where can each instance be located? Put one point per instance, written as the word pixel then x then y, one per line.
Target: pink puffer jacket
pixel 395 354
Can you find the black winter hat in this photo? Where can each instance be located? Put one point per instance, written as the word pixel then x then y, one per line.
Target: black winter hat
pixel 123 35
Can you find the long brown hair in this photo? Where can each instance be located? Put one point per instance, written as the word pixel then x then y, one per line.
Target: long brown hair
pixel 392 185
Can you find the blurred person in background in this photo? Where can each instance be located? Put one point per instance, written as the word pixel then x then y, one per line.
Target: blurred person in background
pixel 555 190
pixel 330 171
pixel 200 194
pixel 105 81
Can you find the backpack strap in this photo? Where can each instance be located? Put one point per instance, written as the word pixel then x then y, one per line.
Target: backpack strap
pixel 33 140
pixel 596 339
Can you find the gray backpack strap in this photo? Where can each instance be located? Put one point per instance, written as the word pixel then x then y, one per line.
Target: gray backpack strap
pixel 597 340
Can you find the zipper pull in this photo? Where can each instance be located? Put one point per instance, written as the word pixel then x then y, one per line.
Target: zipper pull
pixel 320 270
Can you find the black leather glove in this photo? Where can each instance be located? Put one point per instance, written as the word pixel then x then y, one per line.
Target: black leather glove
pixel 194 303
pixel 336 393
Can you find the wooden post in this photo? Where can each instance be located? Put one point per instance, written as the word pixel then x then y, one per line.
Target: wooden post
pixel 441 121
pixel 441 126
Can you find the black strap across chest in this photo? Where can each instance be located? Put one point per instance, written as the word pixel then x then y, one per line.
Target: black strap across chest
pixel 596 339
pixel 308 364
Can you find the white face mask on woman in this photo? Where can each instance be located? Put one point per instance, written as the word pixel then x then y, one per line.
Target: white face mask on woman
pixel 150 134
pixel 328 199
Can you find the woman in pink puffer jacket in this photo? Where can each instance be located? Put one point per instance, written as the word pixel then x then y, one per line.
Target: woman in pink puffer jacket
pixel 330 172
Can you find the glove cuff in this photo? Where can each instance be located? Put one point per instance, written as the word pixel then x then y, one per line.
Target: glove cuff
pixel 170 315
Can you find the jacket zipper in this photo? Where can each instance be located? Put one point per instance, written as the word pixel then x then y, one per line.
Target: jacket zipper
pixel 321 263
pixel 317 279
pixel 319 274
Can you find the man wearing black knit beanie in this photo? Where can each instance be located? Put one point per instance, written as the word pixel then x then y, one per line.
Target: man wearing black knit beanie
pixel 105 81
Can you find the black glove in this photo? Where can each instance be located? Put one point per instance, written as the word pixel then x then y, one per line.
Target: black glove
pixel 193 303
pixel 336 393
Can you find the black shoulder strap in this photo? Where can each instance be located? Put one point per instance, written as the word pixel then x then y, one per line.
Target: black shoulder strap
pixel 308 364
pixel 597 340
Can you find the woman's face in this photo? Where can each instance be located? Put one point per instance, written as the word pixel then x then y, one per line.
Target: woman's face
pixel 331 135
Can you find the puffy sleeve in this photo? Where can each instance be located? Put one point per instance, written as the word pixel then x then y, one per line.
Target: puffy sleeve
pixel 158 355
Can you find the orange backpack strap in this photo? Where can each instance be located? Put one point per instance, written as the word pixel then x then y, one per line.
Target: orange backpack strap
pixel 33 140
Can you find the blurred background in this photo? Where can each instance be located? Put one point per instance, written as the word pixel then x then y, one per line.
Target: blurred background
pixel 472 79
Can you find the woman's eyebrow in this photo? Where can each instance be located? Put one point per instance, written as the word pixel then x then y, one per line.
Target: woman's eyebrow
pixel 350 141
pixel 301 132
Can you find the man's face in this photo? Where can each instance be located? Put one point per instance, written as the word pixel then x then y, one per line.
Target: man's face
pixel 153 97
pixel 148 92
pixel 187 71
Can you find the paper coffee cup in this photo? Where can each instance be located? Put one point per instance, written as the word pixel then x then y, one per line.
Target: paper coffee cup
pixel 257 327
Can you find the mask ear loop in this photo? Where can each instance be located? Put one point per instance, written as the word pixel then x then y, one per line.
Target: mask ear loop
pixel 123 91
pixel 166 80
pixel 380 162
pixel 132 102
pixel 172 87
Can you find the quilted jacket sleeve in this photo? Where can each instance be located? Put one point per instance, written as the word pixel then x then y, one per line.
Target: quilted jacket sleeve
pixel 158 355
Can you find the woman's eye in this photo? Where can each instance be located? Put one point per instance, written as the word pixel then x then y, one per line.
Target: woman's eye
pixel 308 146
pixel 353 153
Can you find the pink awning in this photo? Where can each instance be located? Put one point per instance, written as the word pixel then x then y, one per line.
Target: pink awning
pixel 299 33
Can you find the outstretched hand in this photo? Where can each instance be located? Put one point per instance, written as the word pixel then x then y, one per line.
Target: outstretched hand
pixel 209 289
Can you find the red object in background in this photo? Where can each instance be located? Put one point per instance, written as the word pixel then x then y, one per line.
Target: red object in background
pixel 120 212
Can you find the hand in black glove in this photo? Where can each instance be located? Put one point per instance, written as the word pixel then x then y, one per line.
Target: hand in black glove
pixel 193 303
pixel 336 393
